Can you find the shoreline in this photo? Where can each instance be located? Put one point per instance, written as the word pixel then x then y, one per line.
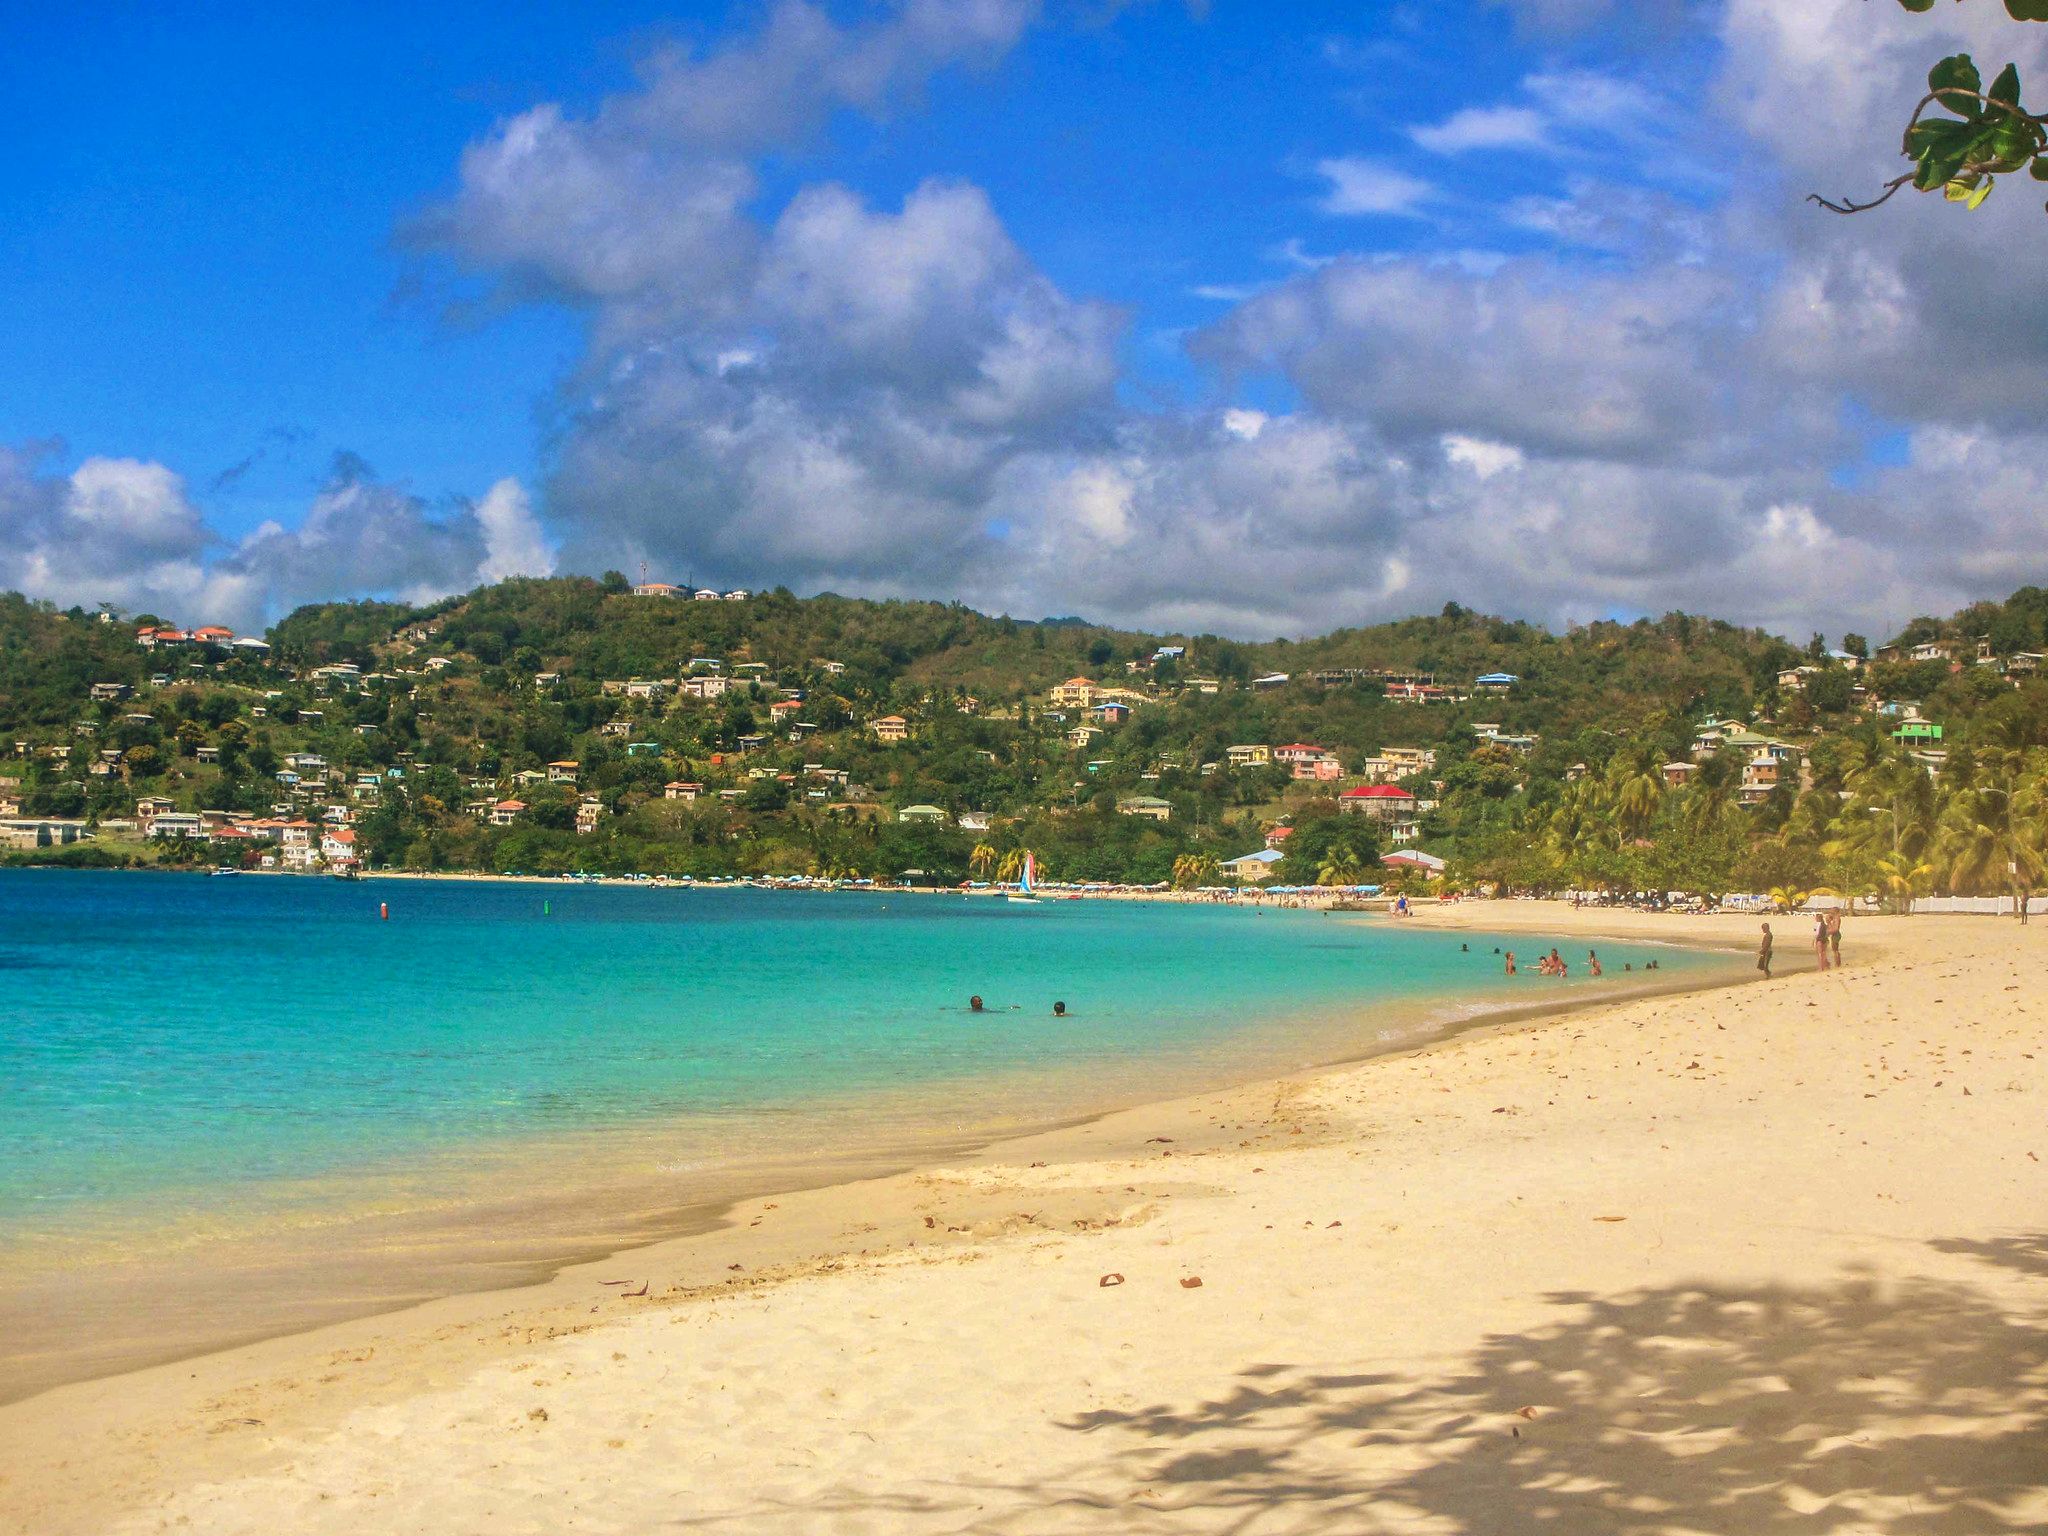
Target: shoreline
pixel 1811 1138
pixel 643 1219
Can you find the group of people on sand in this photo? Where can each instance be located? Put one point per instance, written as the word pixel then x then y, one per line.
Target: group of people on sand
pixel 1827 943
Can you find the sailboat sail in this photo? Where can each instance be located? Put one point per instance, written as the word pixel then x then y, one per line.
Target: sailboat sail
pixel 1030 872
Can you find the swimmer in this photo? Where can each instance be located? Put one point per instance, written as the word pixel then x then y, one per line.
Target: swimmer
pixel 974 1003
pixel 1059 1010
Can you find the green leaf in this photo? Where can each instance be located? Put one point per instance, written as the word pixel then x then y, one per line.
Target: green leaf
pixel 2039 169
pixel 1928 5
pixel 2020 10
pixel 1957 73
pixel 2006 87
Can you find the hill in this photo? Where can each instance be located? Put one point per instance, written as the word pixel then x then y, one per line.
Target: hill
pixel 571 723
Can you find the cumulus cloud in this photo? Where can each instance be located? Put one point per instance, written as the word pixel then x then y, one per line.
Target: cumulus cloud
pixel 1648 405
pixel 126 532
pixel 1484 128
pixel 1360 186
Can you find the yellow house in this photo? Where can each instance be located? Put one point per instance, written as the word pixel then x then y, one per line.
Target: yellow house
pixel 1074 693
pixel 890 728
pixel 1251 755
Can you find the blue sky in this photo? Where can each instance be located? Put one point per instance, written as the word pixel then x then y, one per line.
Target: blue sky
pixel 1336 285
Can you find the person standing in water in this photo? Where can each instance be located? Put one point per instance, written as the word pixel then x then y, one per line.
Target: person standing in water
pixel 1593 963
pixel 1511 962
pixel 1763 953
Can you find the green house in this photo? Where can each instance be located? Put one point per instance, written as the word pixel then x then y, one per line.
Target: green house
pixel 643 749
pixel 1917 730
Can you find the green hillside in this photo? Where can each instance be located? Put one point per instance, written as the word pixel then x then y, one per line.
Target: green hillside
pixel 1587 769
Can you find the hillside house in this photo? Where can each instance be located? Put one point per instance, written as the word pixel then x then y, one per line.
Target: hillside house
pixel 1384 803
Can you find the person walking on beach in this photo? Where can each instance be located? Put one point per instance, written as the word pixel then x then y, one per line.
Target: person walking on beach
pixel 1763 953
pixel 1835 939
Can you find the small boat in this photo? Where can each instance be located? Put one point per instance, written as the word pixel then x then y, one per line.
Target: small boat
pixel 225 869
pixel 1023 896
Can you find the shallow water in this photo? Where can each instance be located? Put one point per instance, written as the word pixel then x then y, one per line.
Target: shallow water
pixel 194 1071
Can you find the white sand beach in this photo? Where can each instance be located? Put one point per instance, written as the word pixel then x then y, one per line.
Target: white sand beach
pixel 1768 1258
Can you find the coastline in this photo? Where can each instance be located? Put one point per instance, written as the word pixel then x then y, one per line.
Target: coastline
pixel 227 1293
pixel 294 1430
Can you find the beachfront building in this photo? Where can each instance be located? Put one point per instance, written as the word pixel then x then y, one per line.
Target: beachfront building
pixel 1414 858
pixel 589 811
pixel 1151 807
pixel 338 847
pixel 1252 868
pixel 1249 755
pixel 890 728
pixel 1074 693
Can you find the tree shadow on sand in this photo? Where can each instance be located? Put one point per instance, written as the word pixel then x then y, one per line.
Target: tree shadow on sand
pixel 1919 1409
pixel 1914 1409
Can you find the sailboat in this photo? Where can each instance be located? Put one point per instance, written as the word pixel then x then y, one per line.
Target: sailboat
pixel 1023 894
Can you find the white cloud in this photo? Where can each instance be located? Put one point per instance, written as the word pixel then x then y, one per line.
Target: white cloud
pixel 126 532
pixel 1484 459
pixel 1484 128
pixel 1359 187
pixel 514 544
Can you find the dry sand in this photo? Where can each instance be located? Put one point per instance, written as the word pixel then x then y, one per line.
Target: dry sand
pixel 1769 1259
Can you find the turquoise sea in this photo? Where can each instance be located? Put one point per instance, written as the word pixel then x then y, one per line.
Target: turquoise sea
pixel 186 1060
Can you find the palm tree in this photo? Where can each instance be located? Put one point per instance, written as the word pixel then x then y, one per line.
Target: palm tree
pixel 982 859
pixel 1636 802
pixel 1011 867
pixel 1903 877
pixel 1339 869
pixel 1193 869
